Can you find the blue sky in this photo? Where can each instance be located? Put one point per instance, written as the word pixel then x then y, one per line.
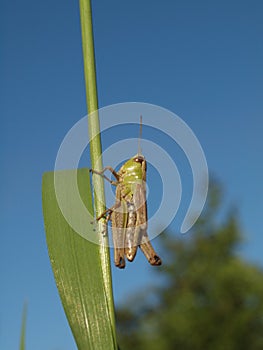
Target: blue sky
pixel 200 59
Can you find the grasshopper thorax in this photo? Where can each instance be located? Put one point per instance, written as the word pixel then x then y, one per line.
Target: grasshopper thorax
pixel 134 169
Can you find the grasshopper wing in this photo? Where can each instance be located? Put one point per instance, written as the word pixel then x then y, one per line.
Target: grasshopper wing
pixel 132 233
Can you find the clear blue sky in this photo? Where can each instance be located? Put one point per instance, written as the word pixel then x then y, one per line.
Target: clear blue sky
pixel 200 59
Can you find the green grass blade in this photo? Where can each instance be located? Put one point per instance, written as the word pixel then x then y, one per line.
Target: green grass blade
pixel 22 345
pixel 77 266
pixel 95 143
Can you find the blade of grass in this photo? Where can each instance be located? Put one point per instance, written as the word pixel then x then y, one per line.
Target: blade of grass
pixel 95 143
pixel 81 268
pixel 92 100
pixel 22 345
pixel 76 264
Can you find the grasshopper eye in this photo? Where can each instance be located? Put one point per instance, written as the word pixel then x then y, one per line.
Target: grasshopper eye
pixel 139 159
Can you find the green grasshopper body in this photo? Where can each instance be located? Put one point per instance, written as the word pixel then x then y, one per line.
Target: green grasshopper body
pixel 129 213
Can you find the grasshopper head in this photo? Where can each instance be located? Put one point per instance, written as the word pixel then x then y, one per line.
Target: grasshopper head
pixel 139 158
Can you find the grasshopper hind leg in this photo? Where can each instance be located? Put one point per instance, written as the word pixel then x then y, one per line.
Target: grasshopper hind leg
pixel 118 224
pixel 119 259
pixel 118 241
pixel 150 254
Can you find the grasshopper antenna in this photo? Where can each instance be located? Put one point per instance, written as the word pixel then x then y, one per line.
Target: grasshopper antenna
pixel 140 137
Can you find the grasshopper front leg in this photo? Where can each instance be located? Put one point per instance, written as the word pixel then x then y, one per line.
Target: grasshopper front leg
pixel 105 177
pixel 101 173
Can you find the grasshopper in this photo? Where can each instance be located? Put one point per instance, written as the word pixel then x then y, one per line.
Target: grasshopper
pixel 129 213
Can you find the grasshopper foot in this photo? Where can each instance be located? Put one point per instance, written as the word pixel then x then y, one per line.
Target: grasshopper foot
pixel 121 263
pixel 155 260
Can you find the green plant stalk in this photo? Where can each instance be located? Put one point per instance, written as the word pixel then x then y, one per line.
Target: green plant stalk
pixel 22 344
pixel 95 145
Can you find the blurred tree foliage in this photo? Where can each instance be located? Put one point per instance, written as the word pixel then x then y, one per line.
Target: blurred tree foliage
pixel 211 298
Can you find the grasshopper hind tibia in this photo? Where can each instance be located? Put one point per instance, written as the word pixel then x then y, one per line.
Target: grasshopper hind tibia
pixel 150 254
